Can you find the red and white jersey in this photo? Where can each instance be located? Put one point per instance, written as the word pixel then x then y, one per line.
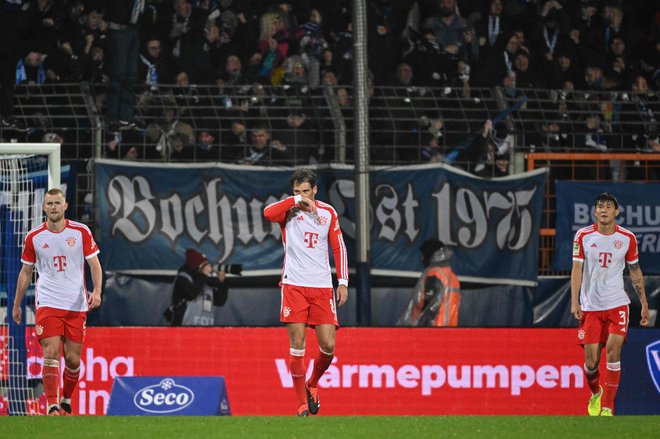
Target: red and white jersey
pixel 306 240
pixel 59 258
pixel 603 258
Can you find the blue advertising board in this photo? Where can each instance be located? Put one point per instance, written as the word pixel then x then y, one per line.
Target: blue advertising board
pixel 639 212
pixel 169 396
pixel 150 213
pixel 639 389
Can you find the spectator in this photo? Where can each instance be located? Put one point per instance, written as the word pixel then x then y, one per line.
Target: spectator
pixel 78 38
pixel 383 30
pixel 488 152
pixel 525 76
pixel 206 148
pixel 564 67
pixel 639 123
pixel 263 152
pixel 31 69
pixel 619 67
pixel 298 137
pixel 453 32
pixel 546 37
pixel 500 61
pixel 124 47
pixel 233 74
pixel 196 291
pixel 492 26
pixel 187 39
pixel 12 28
pixel 235 142
pixel 437 295
pixel 151 66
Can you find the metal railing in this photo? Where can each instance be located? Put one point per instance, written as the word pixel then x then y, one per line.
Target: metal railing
pixel 407 125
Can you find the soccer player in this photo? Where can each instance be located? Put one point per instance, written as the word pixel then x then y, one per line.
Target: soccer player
pixel 58 248
pixel 600 252
pixel 309 228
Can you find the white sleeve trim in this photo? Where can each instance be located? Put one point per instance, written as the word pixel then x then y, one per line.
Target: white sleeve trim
pixel 343 282
pixel 297 198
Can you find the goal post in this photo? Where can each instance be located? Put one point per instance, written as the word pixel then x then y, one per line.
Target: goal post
pixel 51 150
pixel 27 171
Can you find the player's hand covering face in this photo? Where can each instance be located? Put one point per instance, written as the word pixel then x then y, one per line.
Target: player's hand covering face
pixel 307 192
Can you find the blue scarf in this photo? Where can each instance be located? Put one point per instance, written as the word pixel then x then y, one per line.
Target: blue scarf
pixel 21 76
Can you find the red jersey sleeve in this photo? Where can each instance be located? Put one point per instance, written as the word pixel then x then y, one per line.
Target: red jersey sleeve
pixel 28 256
pixel 89 245
pixel 276 212
pixel 578 247
pixel 632 255
pixel 338 250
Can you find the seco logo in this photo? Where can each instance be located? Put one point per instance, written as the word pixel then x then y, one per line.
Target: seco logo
pixel 165 397
pixel 653 360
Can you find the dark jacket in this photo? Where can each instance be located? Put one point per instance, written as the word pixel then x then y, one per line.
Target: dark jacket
pixel 118 11
pixel 185 291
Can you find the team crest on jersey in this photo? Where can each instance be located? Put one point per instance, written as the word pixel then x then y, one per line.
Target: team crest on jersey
pixel 321 220
pixel 39 329
pixel 71 241
pixel 576 249
pixel 618 244
pixel 286 311
pixel 581 334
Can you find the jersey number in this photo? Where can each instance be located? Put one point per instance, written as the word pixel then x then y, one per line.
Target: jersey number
pixel 622 314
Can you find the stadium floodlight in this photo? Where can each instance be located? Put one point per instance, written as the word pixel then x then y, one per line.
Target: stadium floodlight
pixel 27 171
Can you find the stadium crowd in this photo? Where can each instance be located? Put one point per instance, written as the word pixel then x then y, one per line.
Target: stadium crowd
pixel 266 64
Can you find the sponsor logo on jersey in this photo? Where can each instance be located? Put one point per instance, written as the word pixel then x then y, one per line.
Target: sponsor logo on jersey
pixel 581 334
pixel 653 361
pixel 300 218
pixel 286 311
pixel 164 397
pixel 39 329
pixel 593 245
pixel 45 245
pixel 576 249
pixel 71 241
pixel 618 244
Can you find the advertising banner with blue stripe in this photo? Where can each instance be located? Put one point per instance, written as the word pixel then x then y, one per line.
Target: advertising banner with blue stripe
pixel 150 213
pixel 639 212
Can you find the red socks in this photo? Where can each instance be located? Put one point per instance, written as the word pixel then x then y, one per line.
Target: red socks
pixel 297 368
pixel 323 361
pixel 592 377
pixel 611 384
pixel 51 378
pixel 70 381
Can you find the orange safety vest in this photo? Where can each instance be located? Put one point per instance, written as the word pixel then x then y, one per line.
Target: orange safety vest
pixel 447 314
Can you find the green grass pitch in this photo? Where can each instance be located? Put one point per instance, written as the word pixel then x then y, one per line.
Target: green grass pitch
pixel 371 427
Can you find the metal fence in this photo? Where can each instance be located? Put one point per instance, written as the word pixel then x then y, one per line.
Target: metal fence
pixel 295 124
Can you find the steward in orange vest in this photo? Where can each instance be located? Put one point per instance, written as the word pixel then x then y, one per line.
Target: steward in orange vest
pixel 437 294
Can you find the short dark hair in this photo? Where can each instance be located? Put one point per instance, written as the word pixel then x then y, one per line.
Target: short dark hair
pixel 303 175
pixel 606 196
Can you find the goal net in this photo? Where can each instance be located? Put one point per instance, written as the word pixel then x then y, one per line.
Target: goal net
pixel 27 171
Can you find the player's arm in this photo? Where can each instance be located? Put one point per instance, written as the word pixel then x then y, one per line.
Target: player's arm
pixel 637 279
pixel 576 282
pixel 276 212
pixel 94 300
pixel 24 278
pixel 341 260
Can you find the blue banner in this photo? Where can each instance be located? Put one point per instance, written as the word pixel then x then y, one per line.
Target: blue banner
pixel 639 206
pixel 169 396
pixel 151 213
pixel 639 390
